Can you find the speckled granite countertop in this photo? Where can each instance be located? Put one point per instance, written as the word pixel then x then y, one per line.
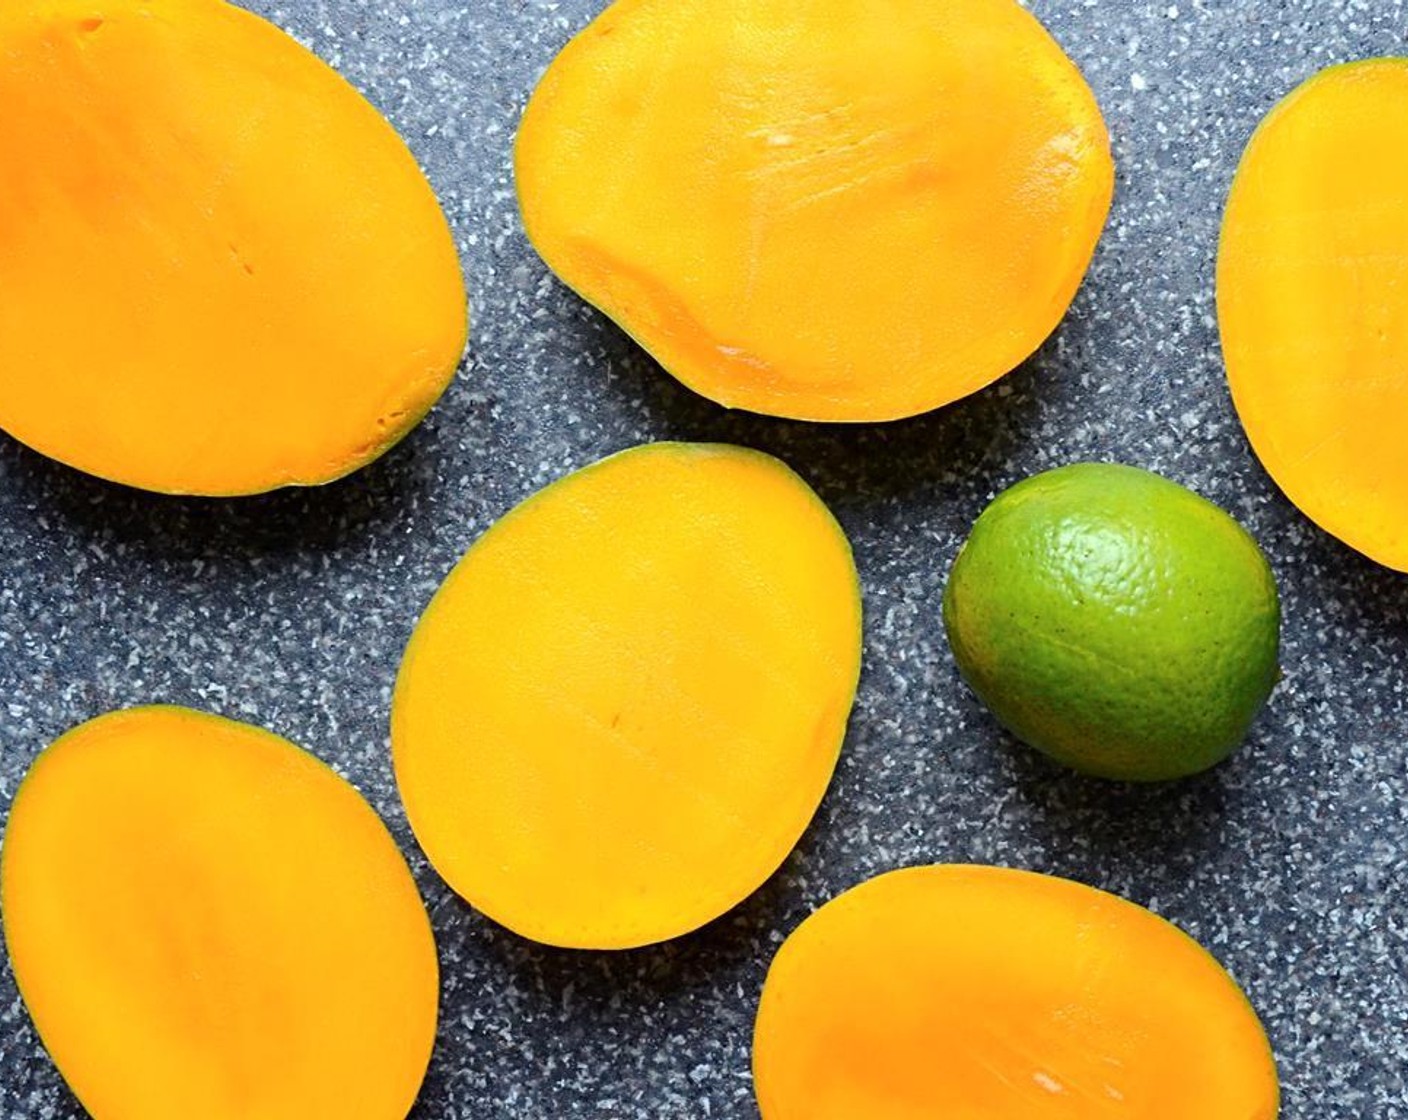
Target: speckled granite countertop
pixel 291 610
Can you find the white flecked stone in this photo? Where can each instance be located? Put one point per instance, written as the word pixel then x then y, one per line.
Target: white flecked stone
pixel 291 610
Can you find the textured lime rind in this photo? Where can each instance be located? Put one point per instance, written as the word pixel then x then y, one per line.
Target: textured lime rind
pixel 1116 621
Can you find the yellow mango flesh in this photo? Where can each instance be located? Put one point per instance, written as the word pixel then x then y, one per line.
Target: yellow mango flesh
pixel 836 211
pixel 960 992
pixel 222 270
pixel 205 921
pixel 1312 291
pixel 623 707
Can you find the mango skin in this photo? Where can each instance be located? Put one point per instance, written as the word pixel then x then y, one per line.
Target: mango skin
pixel 224 272
pixel 971 991
pixel 206 921
pixel 624 705
pixel 837 211
pixel 1310 301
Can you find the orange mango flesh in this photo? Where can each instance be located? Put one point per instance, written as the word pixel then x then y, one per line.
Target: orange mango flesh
pixel 982 992
pixel 623 707
pixel 222 270
pixel 205 921
pixel 820 211
pixel 1312 290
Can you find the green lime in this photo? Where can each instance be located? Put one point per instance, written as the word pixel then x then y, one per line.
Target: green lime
pixel 1115 621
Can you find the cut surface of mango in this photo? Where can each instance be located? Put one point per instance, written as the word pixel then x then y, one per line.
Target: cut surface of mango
pixel 623 707
pixel 961 991
pixel 1312 293
pixel 221 271
pixel 839 211
pixel 205 921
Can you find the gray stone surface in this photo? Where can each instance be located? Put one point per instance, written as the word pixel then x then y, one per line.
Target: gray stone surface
pixel 291 610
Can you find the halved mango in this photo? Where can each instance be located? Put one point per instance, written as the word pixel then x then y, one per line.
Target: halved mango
pixel 1312 294
pixel 982 992
pixel 206 921
pixel 623 707
pixel 221 271
pixel 841 211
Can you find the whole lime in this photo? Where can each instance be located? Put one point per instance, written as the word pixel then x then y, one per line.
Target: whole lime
pixel 1115 621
